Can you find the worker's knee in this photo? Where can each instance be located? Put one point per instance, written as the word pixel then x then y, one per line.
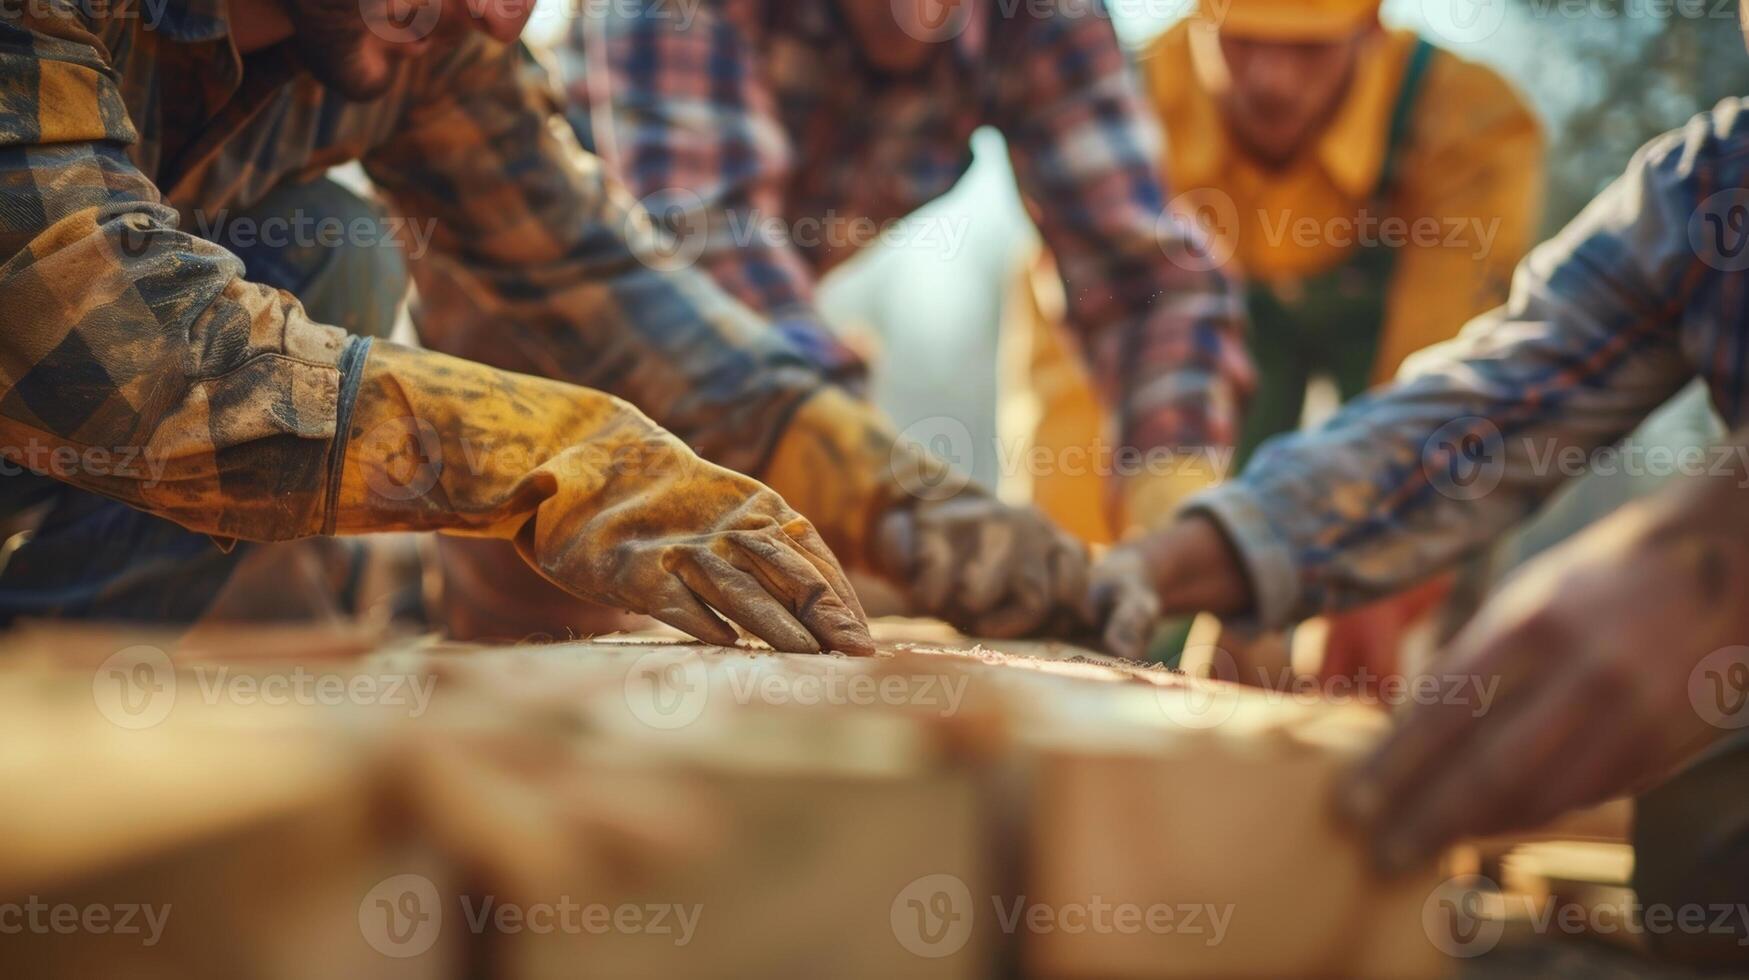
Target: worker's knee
pixel 332 249
pixel 1691 861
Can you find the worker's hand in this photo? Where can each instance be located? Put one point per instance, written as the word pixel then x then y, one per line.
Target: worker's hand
pixel 1122 604
pixel 888 507
pixel 1572 687
pixel 595 496
pixel 987 568
pixel 1187 568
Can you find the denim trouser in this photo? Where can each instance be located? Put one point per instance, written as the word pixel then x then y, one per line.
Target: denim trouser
pixel 94 558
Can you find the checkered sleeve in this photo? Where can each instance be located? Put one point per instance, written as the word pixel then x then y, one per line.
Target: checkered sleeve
pixel 679 108
pixel 1477 432
pixel 1162 328
pixel 135 361
pixel 544 264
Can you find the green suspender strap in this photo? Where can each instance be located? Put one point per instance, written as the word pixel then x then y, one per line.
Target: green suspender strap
pixel 1329 324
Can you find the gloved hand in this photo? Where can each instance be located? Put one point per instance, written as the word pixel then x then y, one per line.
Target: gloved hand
pixel 596 497
pixel 989 569
pixel 892 509
pixel 1184 568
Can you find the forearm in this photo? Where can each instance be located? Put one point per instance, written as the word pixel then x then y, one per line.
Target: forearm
pixel 1479 431
pixel 550 268
pixel 1404 483
pixel 1160 323
pixel 141 366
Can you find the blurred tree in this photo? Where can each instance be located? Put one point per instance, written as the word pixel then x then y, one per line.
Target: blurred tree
pixel 1611 74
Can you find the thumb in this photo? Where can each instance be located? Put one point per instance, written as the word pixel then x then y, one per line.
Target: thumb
pixel 1129 610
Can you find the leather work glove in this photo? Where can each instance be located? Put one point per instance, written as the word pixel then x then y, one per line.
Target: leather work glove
pixel 596 497
pixel 890 508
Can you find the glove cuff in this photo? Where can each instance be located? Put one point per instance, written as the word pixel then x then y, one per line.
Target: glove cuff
pixel 437 443
pixel 843 467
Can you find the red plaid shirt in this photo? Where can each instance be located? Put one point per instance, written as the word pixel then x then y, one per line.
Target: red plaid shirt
pixel 748 111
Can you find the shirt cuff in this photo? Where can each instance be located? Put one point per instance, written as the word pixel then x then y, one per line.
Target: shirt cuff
pixel 822 348
pixel 1263 551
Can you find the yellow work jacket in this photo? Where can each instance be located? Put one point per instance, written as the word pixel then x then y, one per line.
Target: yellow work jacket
pixel 1461 210
pixel 1466 200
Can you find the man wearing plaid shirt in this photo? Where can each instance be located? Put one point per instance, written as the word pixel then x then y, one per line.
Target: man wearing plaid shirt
pixel 143 363
pixel 1616 663
pixel 744 119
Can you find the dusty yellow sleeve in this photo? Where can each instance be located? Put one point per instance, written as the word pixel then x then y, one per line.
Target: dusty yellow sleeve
pixel 1472 199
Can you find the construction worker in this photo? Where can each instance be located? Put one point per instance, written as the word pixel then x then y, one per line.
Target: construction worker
pixel 142 364
pixel 1614 657
pixel 1372 191
pixel 748 122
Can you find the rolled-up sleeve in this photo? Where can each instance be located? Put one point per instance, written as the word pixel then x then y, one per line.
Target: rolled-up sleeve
pixel 135 360
pixel 542 262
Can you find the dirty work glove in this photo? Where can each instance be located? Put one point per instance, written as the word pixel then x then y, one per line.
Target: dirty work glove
pixel 890 508
pixel 596 497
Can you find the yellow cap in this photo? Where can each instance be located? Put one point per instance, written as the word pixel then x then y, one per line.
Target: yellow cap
pixel 1289 20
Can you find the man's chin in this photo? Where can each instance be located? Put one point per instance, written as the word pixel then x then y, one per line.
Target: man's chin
pixel 353 81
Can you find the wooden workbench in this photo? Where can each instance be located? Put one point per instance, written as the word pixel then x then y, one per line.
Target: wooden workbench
pixel 324 804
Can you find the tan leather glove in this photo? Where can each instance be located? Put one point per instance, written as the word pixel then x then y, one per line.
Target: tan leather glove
pixel 892 509
pixel 596 497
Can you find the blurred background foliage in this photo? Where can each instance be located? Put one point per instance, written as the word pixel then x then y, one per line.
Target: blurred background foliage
pixel 1620 74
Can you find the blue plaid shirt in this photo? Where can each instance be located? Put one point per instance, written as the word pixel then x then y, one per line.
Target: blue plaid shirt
pixel 1643 293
